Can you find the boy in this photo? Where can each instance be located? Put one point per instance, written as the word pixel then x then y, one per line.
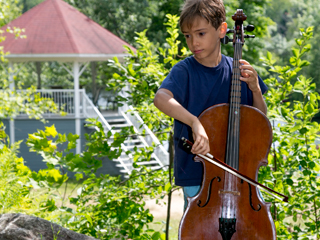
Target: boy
pixel 199 82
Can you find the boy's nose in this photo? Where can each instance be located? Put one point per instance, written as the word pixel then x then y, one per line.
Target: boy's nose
pixel 195 42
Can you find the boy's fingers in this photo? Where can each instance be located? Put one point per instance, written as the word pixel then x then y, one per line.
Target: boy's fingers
pixel 244 61
pixel 201 146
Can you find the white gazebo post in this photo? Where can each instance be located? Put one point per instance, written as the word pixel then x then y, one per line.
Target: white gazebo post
pixel 76 74
pixel 12 87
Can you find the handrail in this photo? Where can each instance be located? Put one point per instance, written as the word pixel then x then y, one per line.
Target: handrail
pixel 143 140
pixel 107 126
pixel 161 154
pixel 149 132
pixel 101 118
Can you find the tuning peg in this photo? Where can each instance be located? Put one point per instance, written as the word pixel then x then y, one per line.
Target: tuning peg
pixel 226 40
pixel 249 36
pixel 230 30
pixel 249 28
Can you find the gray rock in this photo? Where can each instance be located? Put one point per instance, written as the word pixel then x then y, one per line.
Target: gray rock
pixel 15 226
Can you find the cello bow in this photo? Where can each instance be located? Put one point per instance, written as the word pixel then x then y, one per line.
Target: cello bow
pixel 208 157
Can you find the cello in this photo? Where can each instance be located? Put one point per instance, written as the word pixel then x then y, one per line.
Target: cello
pixel 226 207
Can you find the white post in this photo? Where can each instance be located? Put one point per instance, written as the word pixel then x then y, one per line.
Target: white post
pixel 77 104
pixel 12 87
pixel 124 93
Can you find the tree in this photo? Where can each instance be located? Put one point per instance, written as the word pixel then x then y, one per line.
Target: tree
pixel 122 17
pixel 9 10
pixel 294 159
pixel 289 16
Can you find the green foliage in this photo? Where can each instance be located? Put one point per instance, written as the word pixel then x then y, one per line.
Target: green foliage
pixel 294 162
pixel 108 207
pixel 119 16
pixel 15 102
pixel 291 15
pixel 256 15
pixel 9 10
pixel 19 192
pixel 105 206
pixel 14 187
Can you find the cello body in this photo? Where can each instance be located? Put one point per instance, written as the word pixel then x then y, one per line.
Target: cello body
pixel 200 220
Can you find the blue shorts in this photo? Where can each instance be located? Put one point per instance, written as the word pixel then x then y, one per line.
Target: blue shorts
pixel 189 191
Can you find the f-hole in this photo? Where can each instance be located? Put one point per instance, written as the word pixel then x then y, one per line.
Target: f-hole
pixel 250 198
pixel 209 193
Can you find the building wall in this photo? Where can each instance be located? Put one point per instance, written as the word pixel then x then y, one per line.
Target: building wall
pixel 24 127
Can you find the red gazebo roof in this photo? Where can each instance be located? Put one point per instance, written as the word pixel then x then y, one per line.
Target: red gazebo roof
pixel 57 31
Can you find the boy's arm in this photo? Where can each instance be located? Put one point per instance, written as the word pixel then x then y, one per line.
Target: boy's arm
pixel 259 102
pixel 250 76
pixel 166 103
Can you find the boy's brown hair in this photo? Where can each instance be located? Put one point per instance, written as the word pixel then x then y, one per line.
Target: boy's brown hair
pixel 212 10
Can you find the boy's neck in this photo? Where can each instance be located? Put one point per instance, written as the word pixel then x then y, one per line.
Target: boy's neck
pixel 210 62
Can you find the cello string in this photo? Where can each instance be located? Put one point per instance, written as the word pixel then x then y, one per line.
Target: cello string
pixel 237 101
pixel 228 149
pixel 231 138
pixel 237 114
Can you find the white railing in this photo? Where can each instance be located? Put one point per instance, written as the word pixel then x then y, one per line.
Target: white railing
pixel 90 111
pixel 146 135
pixel 64 99
pixel 149 137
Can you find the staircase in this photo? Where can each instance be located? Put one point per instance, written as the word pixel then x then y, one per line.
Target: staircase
pixel 124 162
pixel 113 123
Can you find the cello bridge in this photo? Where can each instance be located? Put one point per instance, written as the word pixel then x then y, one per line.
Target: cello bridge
pixel 235 193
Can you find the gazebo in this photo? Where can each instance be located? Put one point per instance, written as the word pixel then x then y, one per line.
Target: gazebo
pixel 58 32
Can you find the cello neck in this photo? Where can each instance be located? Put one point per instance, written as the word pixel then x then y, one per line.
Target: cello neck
pixel 232 151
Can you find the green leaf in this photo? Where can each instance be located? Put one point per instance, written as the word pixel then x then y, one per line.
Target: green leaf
pixel 167 187
pixel 156 236
pixel 295 52
pixel 51 131
pixel 78 176
pixel 289 181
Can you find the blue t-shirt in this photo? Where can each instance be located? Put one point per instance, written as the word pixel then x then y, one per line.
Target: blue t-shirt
pixel 197 87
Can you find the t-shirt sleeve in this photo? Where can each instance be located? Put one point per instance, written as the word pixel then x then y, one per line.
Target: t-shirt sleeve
pixel 177 83
pixel 263 86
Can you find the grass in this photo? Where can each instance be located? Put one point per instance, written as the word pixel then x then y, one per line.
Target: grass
pixel 159 224
pixel 160 211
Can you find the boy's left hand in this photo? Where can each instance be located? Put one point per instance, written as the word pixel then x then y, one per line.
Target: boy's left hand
pixel 249 75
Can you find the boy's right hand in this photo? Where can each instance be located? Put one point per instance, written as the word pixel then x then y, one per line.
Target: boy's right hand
pixel 201 140
pixel 166 103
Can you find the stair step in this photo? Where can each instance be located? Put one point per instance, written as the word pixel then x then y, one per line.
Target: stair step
pixel 120 125
pixel 147 162
pixel 116 120
pixel 132 141
pixel 133 146
pixel 125 161
pixel 140 164
pixel 155 168
pixel 122 159
pixel 116 130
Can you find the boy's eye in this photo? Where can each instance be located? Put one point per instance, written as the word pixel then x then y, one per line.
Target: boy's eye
pixel 202 33
pixel 186 35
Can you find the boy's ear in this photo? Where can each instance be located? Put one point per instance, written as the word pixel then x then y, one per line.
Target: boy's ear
pixel 223 29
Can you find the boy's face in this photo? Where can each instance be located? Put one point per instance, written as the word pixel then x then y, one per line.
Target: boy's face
pixel 203 41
